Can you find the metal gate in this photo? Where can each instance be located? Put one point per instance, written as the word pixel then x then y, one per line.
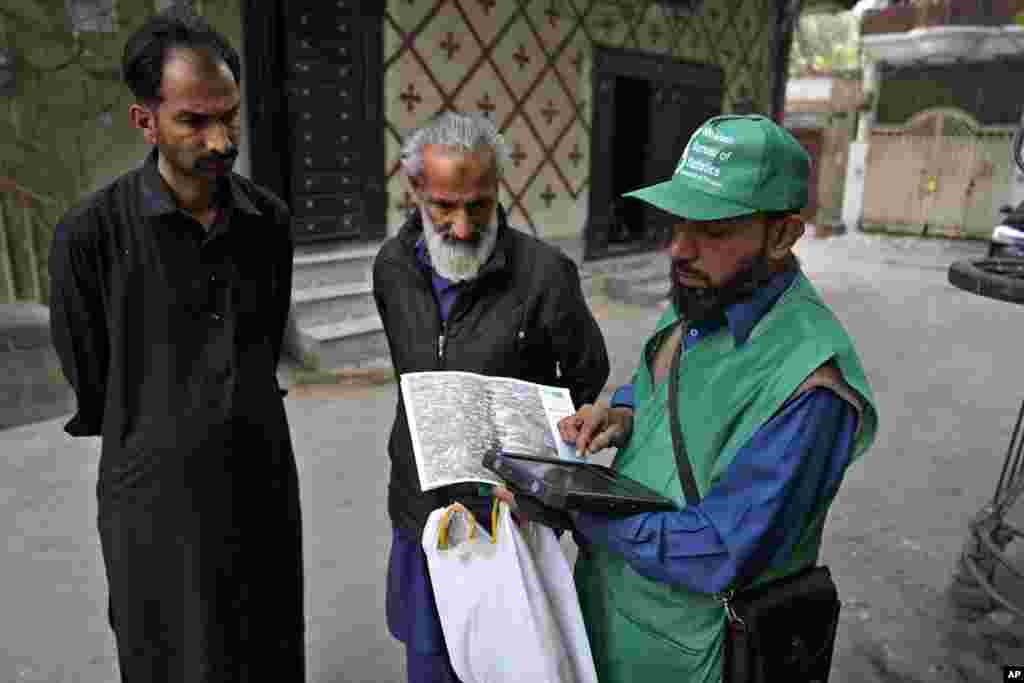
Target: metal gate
pixel 941 173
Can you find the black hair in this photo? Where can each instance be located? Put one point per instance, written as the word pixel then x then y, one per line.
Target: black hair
pixel 147 50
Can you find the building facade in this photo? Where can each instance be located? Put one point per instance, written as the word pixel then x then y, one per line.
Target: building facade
pixel 821 112
pixel 595 97
pixel 933 152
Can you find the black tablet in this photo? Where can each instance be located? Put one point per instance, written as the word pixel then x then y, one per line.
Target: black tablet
pixel 568 485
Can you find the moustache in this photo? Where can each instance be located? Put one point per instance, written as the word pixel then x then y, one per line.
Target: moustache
pixel 448 236
pixel 215 159
pixel 680 270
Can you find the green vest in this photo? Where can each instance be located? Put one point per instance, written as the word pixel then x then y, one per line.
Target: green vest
pixel 643 630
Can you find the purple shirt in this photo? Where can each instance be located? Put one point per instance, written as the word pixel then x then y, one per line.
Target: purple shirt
pixel 445 290
pixel 411 608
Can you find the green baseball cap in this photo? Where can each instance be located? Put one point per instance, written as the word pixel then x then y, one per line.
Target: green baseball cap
pixel 734 166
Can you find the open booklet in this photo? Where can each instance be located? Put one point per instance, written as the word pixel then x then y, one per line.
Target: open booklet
pixel 455 418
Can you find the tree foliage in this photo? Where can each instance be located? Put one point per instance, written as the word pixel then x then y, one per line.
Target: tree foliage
pixel 825 43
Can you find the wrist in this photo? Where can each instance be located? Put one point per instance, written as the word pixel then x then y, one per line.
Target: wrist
pixel 622 397
pixel 622 418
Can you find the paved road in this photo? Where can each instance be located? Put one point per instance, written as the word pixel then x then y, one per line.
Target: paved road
pixel 943 366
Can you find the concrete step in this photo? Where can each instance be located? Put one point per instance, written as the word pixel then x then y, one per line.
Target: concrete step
pixel 32 386
pixel 592 286
pixel 612 277
pixel 357 340
pixel 643 285
pixel 332 304
pixel 334 319
pixel 332 265
pixel 339 325
pixel 643 293
pixel 625 266
pixel 355 343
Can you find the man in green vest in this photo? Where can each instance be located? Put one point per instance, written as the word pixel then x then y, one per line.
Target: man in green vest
pixel 773 403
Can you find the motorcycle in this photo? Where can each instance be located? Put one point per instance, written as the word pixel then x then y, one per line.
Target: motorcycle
pixel 1008 237
pixel 986 577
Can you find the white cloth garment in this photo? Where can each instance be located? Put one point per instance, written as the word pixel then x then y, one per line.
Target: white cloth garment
pixel 508 605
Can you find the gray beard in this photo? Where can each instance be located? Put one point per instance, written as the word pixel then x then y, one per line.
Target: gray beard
pixel 456 260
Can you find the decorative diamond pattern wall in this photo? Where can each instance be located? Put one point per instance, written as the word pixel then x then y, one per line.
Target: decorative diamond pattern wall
pixel 526 65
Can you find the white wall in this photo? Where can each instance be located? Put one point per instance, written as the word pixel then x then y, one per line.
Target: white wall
pixel 810 88
pixel 853 192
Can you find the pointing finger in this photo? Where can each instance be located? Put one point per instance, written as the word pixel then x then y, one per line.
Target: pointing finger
pixel 602 440
pixel 568 428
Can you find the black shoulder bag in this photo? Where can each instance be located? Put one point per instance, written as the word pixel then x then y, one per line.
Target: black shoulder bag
pixel 783 630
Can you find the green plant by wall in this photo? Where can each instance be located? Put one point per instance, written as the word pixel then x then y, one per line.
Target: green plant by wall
pixel 64 131
pixel 825 43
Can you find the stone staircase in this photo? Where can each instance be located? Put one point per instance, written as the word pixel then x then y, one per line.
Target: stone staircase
pixel 32 387
pixel 641 279
pixel 334 323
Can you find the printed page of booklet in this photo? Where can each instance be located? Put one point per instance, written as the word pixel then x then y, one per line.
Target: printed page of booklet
pixel 455 418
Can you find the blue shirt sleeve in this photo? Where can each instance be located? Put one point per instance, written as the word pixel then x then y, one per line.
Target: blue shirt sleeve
pixel 752 515
pixel 623 397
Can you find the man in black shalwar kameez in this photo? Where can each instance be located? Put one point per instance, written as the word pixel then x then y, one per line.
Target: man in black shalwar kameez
pixel 170 296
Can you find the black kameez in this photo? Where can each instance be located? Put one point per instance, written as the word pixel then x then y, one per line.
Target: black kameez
pixel 170 336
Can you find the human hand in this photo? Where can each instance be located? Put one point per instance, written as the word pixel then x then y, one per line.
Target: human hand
pixel 595 427
pixel 509 498
pixel 506 496
pixel 530 509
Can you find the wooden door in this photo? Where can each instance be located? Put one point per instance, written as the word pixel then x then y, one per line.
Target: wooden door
pixel 951 165
pixel 986 190
pixel 317 116
pixel 899 180
pixel 646 107
pixel 676 111
pixel 941 174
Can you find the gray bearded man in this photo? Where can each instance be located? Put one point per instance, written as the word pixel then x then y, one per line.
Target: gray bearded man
pixel 459 289
pixel 456 258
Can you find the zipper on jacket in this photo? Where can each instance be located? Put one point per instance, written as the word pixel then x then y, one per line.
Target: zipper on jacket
pixel 440 342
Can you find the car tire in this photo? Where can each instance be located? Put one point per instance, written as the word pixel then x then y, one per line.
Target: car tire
pixel 1001 279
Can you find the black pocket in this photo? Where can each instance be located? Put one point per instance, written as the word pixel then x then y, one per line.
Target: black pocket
pixel 789 634
pixel 126 475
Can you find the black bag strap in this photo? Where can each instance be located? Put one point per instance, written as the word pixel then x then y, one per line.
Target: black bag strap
pixel 682 459
pixel 686 470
